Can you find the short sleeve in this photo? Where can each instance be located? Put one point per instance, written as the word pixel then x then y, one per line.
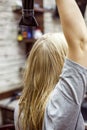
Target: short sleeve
pixel 64 103
pixel 16 121
pixel 61 113
pixel 74 81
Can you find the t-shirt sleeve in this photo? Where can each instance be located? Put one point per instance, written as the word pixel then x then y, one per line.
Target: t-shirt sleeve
pixel 64 103
pixel 16 120
pixel 61 113
pixel 73 81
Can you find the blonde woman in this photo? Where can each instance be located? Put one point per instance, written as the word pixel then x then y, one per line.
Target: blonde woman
pixel 43 68
pixel 63 109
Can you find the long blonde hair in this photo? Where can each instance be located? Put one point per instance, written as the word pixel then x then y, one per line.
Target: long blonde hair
pixel 42 72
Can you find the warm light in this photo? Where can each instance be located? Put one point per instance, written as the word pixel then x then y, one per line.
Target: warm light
pixel 19 38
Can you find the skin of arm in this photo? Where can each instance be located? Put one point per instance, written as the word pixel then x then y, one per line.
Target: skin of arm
pixel 74 29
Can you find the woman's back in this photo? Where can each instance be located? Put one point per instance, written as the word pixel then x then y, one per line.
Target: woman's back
pixel 44 65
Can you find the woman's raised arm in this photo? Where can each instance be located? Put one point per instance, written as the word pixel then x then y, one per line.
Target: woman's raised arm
pixel 74 29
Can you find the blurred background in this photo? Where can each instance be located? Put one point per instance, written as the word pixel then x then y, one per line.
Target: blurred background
pixel 16 43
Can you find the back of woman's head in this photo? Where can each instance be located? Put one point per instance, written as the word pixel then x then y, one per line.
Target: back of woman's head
pixel 42 72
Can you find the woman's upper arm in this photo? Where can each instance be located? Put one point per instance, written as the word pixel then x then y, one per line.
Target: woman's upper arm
pixel 74 28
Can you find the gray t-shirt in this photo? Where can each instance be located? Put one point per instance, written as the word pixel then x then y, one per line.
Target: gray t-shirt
pixel 63 108
pixel 64 104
